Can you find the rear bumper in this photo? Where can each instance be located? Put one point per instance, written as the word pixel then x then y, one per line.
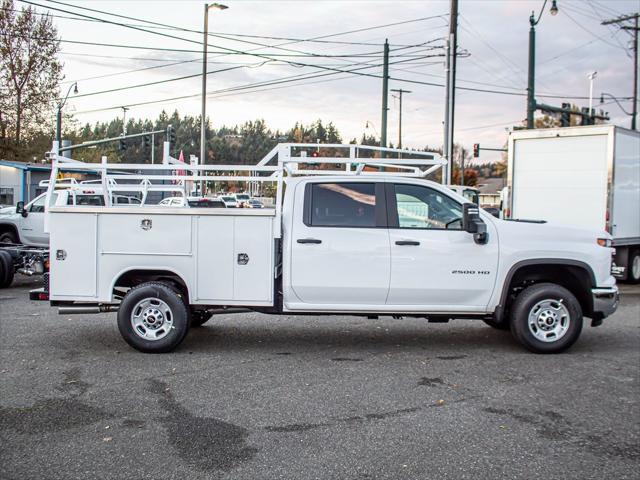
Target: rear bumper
pixel 605 302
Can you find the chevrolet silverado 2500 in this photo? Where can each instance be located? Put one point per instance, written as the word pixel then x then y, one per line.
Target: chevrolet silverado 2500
pixel 351 240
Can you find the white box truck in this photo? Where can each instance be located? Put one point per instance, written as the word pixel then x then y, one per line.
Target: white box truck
pixel 585 177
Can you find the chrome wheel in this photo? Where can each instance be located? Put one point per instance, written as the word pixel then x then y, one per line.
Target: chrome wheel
pixel 549 320
pixel 152 319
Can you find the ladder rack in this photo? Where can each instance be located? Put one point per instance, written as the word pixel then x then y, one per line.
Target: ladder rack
pixel 285 160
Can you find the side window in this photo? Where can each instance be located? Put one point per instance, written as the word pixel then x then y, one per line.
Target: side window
pixel 38 205
pixel 423 207
pixel 342 205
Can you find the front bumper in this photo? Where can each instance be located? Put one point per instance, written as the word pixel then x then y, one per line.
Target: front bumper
pixel 605 302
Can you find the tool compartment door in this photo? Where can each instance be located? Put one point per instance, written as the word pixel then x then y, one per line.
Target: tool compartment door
pixel 234 260
pixel 73 256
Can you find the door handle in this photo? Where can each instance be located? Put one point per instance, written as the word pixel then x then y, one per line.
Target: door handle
pixel 309 240
pixel 407 242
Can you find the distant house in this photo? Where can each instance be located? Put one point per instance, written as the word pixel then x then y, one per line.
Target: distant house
pixel 20 181
pixel 490 191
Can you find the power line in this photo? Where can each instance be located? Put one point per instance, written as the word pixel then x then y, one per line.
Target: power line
pixel 403 22
pixel 295 63
pixel 173 28
pixel 184 77
pixel 269 57
pixel 593 34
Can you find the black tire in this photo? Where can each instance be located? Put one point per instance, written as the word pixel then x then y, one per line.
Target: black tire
pixel 633 275
pixel 504 325
pixel 176 315
pixel 8 237
pixel 6 269
pixel 562 303
pixel 200 317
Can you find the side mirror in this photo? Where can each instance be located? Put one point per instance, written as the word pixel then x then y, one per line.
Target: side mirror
pixel 472 223
pixel 20 209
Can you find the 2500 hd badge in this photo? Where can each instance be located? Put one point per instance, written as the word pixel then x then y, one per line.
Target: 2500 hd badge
pixel 470 272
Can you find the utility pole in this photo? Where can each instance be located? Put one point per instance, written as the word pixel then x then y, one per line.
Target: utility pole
pixel 450 94
pixel 591 77
pixel 634 29
pixel 400 91
pixel 446 175
pixel 61 104
pixel 385 95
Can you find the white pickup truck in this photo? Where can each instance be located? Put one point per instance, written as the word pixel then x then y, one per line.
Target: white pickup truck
pixel 24 224
pixel 358 241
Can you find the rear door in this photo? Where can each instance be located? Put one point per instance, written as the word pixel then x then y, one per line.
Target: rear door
pixel 435 265
pixel 340 253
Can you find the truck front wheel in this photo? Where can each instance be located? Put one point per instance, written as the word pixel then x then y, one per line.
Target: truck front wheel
pixel 546 318
pixel 8 237
pixel 153 318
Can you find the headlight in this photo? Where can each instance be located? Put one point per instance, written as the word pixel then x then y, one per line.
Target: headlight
pixel 604 242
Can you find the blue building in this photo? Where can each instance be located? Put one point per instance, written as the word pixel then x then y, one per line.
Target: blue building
pixel 21 181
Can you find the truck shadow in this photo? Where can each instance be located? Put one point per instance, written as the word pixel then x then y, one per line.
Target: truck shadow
pixel 378 337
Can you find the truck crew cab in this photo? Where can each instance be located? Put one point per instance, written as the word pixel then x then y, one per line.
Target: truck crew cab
pixel 352 240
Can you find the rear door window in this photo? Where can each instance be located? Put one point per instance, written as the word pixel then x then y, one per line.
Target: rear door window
pixel 343 205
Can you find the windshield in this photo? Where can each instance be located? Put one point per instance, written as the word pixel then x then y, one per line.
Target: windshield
pixel 242 197
pixel 229 199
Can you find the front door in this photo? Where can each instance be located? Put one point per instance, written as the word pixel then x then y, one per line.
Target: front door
pixel 434 263
pixel 32 226
pixel 340 252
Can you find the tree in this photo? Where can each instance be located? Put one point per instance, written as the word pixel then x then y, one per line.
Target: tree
pixel 30 74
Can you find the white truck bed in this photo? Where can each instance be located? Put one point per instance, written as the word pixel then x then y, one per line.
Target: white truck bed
pixel 203 248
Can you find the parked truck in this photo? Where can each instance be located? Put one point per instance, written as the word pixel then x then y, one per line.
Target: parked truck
pixel 345 240
pixel 586 177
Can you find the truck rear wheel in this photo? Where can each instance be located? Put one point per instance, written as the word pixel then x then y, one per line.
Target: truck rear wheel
pixel 6 269
pixel 153 318
pixel 633 269
pixel 546 318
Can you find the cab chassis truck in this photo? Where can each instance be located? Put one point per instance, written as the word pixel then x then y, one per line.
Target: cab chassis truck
pixel 349 235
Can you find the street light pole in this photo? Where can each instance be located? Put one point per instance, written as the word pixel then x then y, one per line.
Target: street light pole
pixel 61 105
pixel 531 77
pixel 203 132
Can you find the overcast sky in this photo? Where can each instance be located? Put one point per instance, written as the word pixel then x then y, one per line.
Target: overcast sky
pixel 493 33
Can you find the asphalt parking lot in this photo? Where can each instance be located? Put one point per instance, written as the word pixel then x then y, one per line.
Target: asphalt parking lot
pixel 259 397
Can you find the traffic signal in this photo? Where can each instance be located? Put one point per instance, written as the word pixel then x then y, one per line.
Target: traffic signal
pixel 565 116
pixel 146 141
pixel 315 154
pixel 122 144
pixel 171 135
pixel 476 150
